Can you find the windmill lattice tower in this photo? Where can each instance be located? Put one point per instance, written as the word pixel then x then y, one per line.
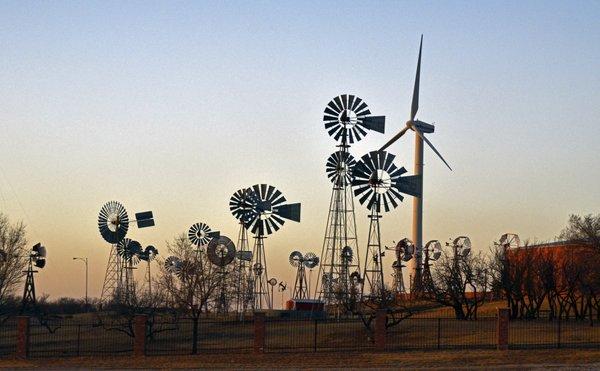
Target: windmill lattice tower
pixel 241 209
pixel 347 119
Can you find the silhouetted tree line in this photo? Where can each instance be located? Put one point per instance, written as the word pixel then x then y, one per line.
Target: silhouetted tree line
pixel 557 282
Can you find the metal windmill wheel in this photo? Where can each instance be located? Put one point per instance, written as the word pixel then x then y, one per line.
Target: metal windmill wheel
pixel 296 258
pixel 271 210
pixel 129 250
pixel 339 168
pixel 405 250
pixel 311 260
pixel 173 264
pixel 510 241
pixel 113 222
pixel 378 181
pixel 347 119
pixel 242 205
pixel 221 251
pixel 200 234
pixel 433 249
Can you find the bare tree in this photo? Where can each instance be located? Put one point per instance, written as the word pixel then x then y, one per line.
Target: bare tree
pixel 460 283
pixel 586 228
pixel 12 259
pixel 194 285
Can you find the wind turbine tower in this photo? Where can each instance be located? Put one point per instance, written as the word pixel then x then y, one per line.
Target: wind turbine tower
pixel 420 128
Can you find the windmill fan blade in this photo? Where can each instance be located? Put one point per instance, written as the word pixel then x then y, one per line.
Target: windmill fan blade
pixel 430 145
pixel 376 123
pixel 415 100
pixel 394 138
pixel 289 211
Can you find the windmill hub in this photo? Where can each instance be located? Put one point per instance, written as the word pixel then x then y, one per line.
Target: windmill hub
pixel 380 181
pixel 348 118
pixel 113 222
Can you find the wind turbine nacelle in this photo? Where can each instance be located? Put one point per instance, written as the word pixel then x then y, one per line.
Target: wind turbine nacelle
pixel 424 127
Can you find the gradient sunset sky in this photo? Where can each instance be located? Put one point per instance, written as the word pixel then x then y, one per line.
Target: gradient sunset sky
pixel 172 106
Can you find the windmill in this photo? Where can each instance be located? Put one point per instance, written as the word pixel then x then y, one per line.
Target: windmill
pixel 241 208
pixel 37 259
pixel 148 255
pixel 113 224
pixel 200 235
pixel 300 262
pixel 347 119
pixel 281 288
pixel 128 250
pixel 221 252
pixel 420 128
pixel 509 241
pixel 461 247
pixel 379 184
pixel 404 251
pixel 267 213
pixel 432 252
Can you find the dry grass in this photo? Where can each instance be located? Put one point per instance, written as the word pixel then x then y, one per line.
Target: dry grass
pixel 515 359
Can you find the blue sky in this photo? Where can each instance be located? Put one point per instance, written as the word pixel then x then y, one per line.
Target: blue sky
pixel 172 106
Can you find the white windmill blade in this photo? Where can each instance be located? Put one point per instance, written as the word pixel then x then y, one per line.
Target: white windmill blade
pixel 416 130
pixel 415 99
pixel 394 138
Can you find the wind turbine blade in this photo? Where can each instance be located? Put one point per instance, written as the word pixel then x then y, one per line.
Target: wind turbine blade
pixel 415 99
pixel 394 138
pixel 430 145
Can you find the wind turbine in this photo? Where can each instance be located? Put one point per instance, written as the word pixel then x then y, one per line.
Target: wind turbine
pixel 420 128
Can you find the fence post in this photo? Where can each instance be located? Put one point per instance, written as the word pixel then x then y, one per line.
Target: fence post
pixel 380 330
pixel 502 328
pixel 22 337
pixel 259 332
pixel 139 335
pixel 439 330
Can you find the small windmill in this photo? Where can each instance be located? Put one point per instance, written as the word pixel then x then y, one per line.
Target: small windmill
pixel 379 184
pixel 461 247
pixel 432 252
pixel 267 213
pixel 221 252
pixel 404 251
pixel 148 255
pixel 200 235
pixel 113 224
pixel 347 119
pixel 509 241
pixel 129 251
pixel 281 288
pixel 300 262
pixel 420 128
pixel 37 259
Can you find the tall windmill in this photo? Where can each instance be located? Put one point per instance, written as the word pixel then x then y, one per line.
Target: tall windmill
pixel 268 212
pixel 347 119
pixel 379 185
pixel 113 224
pixel 420 128
pixel 241 208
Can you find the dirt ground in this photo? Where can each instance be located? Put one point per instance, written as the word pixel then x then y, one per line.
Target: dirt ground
pixel 450 360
